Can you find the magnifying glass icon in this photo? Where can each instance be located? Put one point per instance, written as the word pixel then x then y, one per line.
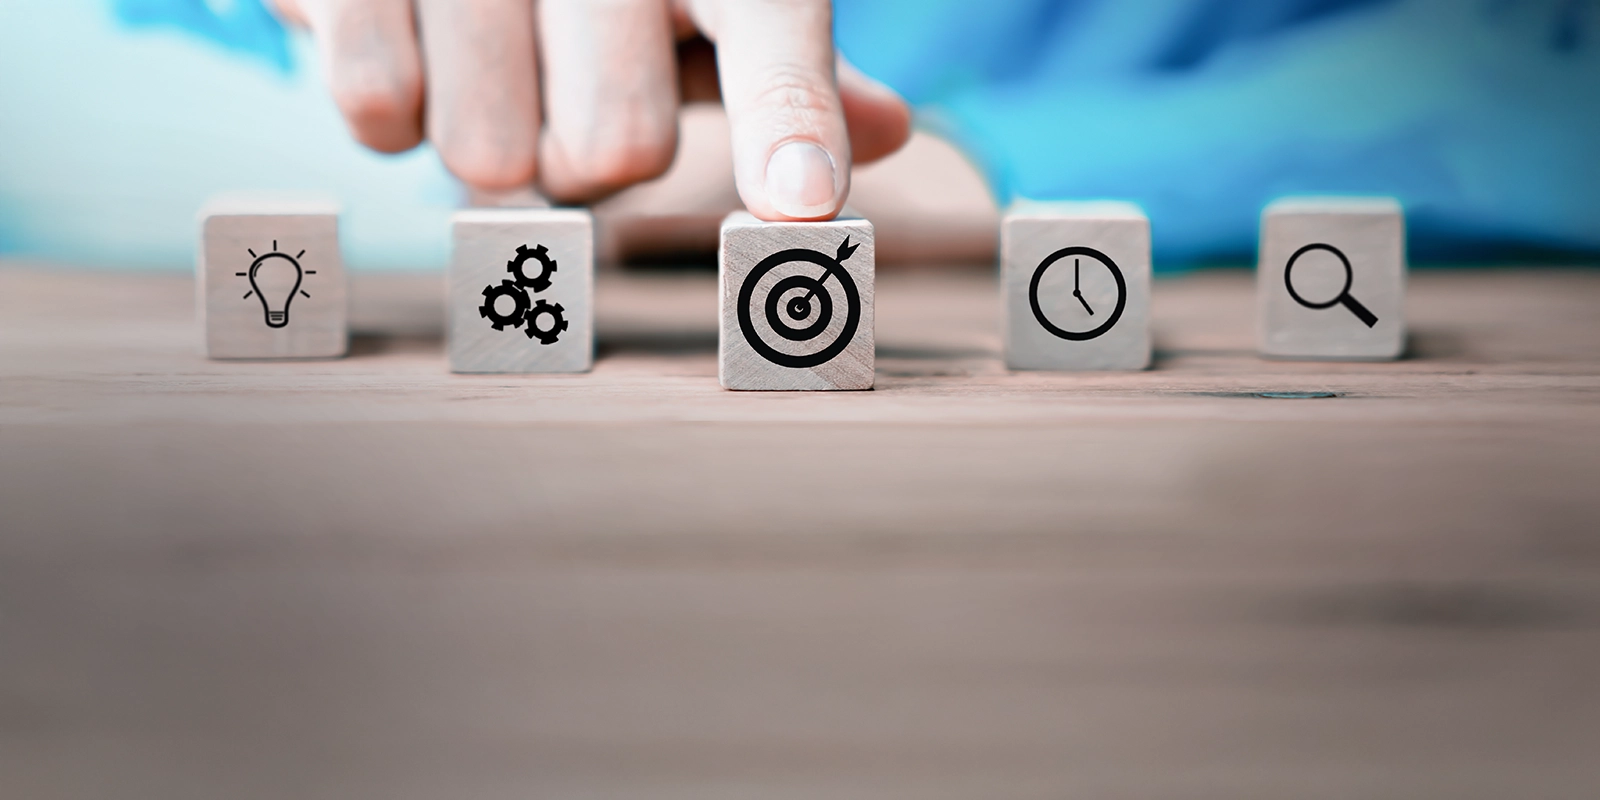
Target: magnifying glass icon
pixel 1342 298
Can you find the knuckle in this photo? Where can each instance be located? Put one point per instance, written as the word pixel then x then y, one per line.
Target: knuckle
pixel 796 91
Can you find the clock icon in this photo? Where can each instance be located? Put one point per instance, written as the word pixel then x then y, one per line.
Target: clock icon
pixel 1090 268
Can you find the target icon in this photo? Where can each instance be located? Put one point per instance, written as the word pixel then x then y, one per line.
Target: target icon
pixel 798 308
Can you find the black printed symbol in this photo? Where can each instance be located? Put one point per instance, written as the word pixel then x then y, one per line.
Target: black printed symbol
pixel 1089 266
pixel 800 307
pixel 1342 298
pixel 523 310
pixel 550 333
pixel 275 279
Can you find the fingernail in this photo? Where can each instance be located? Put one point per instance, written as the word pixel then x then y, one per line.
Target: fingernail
pixel 801 180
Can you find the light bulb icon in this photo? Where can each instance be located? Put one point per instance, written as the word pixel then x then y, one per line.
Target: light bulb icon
pixel 275 279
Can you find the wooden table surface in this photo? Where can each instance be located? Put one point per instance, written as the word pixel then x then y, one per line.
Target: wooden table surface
pixel 372 578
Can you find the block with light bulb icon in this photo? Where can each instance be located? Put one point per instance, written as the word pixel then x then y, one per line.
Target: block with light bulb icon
pixel 521 290
pixel 1075 280
pixel 269 277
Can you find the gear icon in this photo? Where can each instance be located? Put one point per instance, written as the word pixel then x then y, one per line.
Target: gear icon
pixel 498 320
pixel 518 267
pixel 558 322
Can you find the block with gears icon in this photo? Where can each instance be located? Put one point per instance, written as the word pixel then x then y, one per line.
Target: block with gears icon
pixel 522 291
pixel 796 304
pixel 270 282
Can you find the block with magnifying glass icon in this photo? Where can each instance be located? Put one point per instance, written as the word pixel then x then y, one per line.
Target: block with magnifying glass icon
pixel 1330 280
pixel 1075 279
pixel 270 280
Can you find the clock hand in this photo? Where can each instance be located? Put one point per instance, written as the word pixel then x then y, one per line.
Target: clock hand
pixel 1076 292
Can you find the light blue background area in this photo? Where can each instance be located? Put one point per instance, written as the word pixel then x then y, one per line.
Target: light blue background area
pixel 111 139
pixel 1482 116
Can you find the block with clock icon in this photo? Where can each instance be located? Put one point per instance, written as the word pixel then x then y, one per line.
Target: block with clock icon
pixel 1330 279
pixel 1075 277
pixel 522 290
pixel 270 281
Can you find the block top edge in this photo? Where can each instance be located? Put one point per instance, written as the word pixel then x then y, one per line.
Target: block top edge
pixel 1333 204
pixel 527 214
pixel 268 203
pixel 745 219
pixel 1050 209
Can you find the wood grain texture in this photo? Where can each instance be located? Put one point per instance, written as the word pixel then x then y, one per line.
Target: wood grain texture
pixel 271 280
pixel 372 578
pixel 1077 293
pixel 486 244
pixel 1370 235
pixel 817 312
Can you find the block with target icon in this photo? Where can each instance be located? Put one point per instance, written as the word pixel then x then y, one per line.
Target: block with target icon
pixel 270 282
pixel 1076 281
pixel 796 304
pixel 522 291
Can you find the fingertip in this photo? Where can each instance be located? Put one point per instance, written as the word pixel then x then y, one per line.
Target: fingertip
pixel 803 181
pixel 382 114
pixel 606 169
pixel 488 166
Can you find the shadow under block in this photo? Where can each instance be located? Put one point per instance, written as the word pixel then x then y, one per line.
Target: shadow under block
pixel 270 282
pixel 796 304
pixel 522 291
pixel 1076 284
pixel 1344 259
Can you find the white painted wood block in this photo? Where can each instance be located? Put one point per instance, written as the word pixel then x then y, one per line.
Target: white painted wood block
pixel 796 304
pixel 1076 283
pixel 270 282
pixel 1330 282
pixel 522 290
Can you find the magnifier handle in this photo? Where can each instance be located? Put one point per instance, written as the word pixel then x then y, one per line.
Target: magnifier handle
pixel 1359 310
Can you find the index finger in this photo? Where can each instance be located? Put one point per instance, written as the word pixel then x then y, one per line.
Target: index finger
pixel 775 62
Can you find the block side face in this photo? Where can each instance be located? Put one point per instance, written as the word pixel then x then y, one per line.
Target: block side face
pixel 484 249
pixel 1076 253
pixel 787 270
pixel 1303 250
pixel 272 286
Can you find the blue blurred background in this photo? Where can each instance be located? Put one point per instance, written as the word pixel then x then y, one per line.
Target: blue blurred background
pixel 1482 116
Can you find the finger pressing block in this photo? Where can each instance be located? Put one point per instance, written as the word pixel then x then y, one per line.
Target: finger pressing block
pixel 796 304
pixel 270 281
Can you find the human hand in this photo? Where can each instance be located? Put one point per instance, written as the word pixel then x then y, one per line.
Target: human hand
pixel 471 75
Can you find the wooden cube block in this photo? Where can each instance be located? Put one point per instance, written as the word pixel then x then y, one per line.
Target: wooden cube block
pixel 1076 279
pixel 796 304
pixel 269 279
pixel 522 290
pixel 1330 282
